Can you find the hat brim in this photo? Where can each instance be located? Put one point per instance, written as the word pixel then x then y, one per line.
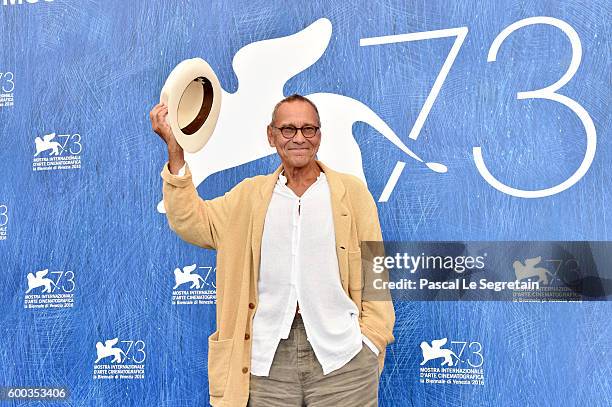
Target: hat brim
pixel 192 93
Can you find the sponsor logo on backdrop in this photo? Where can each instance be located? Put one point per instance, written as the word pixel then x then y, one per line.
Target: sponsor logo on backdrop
pixel 194 285
pixel 435 351
pixel 4 220
pixel 50 289
pixel 55 152
pixel 556 285
pixel 529 270
pixel 454 363
pixel 262 82
pixel 17 2
pixel 7 88
pixel 119 360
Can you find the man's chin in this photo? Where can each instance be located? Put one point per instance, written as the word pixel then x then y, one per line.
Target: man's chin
pixel 299 162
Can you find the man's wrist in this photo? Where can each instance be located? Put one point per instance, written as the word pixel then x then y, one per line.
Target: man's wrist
pixel 176 160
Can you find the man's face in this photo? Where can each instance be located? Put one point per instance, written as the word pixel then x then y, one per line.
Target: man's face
pixel 299 150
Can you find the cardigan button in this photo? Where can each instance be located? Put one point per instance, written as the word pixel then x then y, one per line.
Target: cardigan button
pixel 245 369
pixel 251 305
pixel 247 337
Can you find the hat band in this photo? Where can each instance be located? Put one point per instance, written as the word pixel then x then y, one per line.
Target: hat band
pixel 205 108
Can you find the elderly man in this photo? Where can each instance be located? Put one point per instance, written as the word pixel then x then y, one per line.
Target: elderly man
pixel 293 328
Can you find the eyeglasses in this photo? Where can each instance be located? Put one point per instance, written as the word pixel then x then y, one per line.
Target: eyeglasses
pixel 289 132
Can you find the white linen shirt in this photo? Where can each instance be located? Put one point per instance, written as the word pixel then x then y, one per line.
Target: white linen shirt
pixel 299 265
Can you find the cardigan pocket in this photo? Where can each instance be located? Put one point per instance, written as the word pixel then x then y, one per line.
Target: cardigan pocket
pixel 219 352
pixel 355 273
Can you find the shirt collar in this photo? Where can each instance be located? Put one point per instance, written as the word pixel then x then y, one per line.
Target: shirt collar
pixel 283 180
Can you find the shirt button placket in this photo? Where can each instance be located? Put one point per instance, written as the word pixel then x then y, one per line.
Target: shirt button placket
pixel 295 244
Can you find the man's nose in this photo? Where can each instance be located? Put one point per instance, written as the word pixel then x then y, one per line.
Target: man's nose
pixel 299 137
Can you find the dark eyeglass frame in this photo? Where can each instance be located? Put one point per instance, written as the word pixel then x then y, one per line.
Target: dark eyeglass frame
pixel 295 130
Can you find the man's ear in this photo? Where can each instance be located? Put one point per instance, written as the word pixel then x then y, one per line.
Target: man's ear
pixel 270 136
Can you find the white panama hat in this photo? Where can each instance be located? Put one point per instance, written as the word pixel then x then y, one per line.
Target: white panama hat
pixel 193 95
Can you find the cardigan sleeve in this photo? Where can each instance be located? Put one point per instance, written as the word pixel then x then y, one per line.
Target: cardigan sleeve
pixel 196 221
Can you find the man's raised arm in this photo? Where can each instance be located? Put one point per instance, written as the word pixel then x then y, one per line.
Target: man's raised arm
pixel 195 220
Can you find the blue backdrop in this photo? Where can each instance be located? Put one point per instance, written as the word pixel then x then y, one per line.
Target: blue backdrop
pixel 90 71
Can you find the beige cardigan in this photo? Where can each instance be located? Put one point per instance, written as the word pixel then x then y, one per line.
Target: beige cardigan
pixel 233 225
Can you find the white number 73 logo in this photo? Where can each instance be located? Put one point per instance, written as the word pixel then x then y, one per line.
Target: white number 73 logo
pixel 545 93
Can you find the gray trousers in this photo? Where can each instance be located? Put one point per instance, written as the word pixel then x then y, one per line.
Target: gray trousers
pixel 296 377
